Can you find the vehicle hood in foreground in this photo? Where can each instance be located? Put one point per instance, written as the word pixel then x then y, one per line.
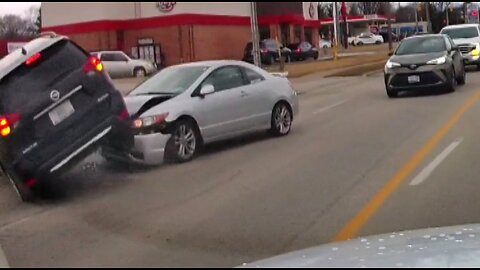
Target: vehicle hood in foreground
pixel 457 246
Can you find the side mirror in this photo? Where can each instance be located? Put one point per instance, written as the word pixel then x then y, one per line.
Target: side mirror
pixel 207 89
pixel 455 48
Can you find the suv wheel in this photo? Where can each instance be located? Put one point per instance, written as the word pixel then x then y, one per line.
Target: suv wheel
pixel 139 72
pixel 24 193
pixel 461 79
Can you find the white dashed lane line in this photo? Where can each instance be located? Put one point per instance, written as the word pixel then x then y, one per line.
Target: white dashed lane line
pixel 326 108
pixel 425 173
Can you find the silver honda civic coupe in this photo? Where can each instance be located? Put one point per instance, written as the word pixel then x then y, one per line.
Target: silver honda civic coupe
pixel 185 106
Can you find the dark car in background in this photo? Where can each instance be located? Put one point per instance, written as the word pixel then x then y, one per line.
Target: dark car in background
pixel 427 61
pixel 268 52
pixel 56 105
pixel 303 51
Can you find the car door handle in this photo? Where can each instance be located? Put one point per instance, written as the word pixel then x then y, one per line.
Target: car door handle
pixel 243 94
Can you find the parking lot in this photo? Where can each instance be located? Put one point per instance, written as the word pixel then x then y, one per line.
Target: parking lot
pixel 255 197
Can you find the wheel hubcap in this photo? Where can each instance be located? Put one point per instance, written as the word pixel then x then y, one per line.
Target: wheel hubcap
pixel 185 141
pixel 283 119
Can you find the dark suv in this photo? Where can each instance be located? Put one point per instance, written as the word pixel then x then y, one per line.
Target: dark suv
pixel 56 105
pixel 268 52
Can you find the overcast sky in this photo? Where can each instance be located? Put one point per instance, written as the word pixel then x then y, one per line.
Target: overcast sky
pixel 16 7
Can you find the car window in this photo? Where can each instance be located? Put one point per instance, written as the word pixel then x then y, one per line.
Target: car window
pixel 252 76
pixel 107 57
pixel 24 82
pixel 118 57
pixel 450 41
pixel 466 32
pixel 171 80
pixel 225 78
pixel 447 44
pixel 421 45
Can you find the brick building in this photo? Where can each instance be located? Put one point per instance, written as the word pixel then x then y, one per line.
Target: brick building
pixel 182 31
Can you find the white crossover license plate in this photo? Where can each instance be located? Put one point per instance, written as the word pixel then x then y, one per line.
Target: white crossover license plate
pixel 61 112
pixel 413 79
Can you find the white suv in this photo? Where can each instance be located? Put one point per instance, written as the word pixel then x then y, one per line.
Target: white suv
pixel 467 38
pixel 118 64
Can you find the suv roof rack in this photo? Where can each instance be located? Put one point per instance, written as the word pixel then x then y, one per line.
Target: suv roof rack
pixel 50 34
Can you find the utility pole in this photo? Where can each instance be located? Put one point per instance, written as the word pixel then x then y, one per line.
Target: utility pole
pixel 389 22
pixel 335 31
pixel 427 12
pixel 255 37
pixel 416 19
pixel 446 14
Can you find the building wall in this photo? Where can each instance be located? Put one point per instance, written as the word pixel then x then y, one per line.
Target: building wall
pixel 279 8
pixel 149 9
pixel 105 40
pixel 228 42
pixel 54 14
pixel 309 9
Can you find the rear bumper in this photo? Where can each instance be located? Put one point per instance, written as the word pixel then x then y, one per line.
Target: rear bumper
pixel 148 149
pixel 71 155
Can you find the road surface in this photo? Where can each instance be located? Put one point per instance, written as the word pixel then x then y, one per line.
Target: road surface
pixel 356 163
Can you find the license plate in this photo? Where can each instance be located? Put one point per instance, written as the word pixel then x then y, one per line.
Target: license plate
pixel 61 112
pixel 413 79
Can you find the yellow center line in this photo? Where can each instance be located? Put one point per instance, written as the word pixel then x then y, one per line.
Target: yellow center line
pixel 356 224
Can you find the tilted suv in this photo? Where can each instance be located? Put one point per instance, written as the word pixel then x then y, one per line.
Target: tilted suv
pixel 56 104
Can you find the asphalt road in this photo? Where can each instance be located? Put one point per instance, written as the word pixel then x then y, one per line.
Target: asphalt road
pixel 409 163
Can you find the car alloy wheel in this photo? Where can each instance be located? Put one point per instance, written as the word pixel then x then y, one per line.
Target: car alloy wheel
pixel 185 141
pixel 281 120
pixel 140 73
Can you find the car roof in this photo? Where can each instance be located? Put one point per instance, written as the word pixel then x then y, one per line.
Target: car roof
pixel 108 52
pixel 461 26
pixel 14 59
pixel 213 63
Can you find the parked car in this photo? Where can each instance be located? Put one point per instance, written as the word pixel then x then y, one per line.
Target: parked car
pixel 367 38
pixel 467 38
pixel 425 61
pixel 303 51
pixel 268 52
pixel 57 104
pixel 185 106
pixel 118 64
pixel 323 43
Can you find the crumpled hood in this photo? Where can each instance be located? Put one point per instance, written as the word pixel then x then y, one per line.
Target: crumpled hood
pixel 137 105
pixel 420 58
pixel 457 246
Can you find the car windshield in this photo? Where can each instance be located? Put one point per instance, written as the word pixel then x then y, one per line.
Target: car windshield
pixel 421 45
pixel 173 80
pixel 456 33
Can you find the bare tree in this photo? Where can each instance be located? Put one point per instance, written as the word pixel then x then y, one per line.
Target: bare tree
pixel 325 10
pixel 354 9
pixel 14 26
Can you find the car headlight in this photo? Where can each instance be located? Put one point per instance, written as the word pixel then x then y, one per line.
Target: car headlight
pixel 149 121
pixel 438 61
pixel 391 64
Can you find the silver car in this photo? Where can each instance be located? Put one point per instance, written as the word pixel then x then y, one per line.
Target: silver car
pixel 118 64
pixel 184 106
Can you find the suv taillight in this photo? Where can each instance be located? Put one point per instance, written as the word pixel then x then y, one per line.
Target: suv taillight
pixel 7 123
pixel 93 64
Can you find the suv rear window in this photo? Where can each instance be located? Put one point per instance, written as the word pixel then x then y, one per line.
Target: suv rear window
pixel 21 85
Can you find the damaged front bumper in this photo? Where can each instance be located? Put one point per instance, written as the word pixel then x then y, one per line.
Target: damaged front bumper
pixel 148 149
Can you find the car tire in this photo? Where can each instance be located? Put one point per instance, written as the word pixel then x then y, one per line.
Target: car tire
pixel 359 43
pixel 281 120
pixel 315 56
pixel 184 143
pixel 392 93
pixel 378 42
pixel 461 80
pixel 23 192
pixel 452 81
pixel 139 72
